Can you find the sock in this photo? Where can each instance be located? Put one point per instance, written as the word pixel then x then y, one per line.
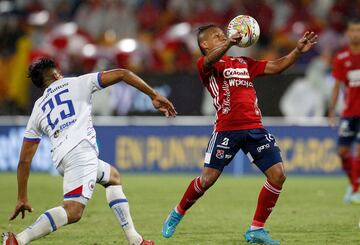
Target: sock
pixel 346 163
pixel 48 222
pixel 120 206
pixel 355 168
pixel 191 195
pixel 266 202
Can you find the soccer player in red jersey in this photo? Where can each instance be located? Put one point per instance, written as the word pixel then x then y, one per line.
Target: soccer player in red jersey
pixel 238 125
pixel 346 71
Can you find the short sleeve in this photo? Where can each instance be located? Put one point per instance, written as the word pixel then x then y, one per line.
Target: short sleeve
pixel 255 67
pixel 204 73
pixel 92 81
pixel 33 132
pixel 338 70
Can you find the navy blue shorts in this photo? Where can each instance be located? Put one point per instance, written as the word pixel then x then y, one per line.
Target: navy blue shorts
pixel 349 130
pixel 258 144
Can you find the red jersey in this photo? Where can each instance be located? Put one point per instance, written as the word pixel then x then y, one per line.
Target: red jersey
pixel 346 69
pixel 230 83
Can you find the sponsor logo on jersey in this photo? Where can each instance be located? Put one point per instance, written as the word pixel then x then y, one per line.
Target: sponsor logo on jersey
pixel 240 82
pixel 236 73
pixel 220 154
pixel 354 78
pixel 228 156
pixel 226 106
pixel 263 147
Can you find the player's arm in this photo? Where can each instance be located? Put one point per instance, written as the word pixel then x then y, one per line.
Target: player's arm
pixel 159 102
pixel 333 101
pixel 28 150
pixel 216 53
pixel 304 44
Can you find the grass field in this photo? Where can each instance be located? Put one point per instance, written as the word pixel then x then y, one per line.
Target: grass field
pixel 310 211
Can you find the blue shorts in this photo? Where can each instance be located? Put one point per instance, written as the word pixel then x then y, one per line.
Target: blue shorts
pixel 258 144
pixel 349 130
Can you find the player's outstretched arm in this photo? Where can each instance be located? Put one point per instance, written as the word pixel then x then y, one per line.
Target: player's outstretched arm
pixel 159 102
pixel 304 44
pixel 215 54
pixel 27 153
pixel 332 104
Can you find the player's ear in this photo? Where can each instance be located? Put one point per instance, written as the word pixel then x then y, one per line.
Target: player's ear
pixel 204 45
pixel 57 75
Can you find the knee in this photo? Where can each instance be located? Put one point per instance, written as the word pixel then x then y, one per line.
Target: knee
pixel 74 212
pixel 343 152
pixel 278 179
pixel 115 178
pixel 207 181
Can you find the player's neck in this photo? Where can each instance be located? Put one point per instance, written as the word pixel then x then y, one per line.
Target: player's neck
pixel 355 49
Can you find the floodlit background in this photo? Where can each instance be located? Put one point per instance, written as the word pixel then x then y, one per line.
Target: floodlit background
pixel 156 38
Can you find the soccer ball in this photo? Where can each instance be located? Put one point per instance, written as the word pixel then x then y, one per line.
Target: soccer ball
pixel 247 26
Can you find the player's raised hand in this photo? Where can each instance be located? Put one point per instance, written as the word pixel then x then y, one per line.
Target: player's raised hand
pixel 21 206
pixel 163 105
pixel 307 42
pixel 235 38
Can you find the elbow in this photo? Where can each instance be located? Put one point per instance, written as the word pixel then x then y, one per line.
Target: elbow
pixel 122 74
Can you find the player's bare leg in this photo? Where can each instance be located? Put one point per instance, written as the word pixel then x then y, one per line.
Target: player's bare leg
pixel 195 190
pixel 120 206
pixel 266 202
pixel 348 165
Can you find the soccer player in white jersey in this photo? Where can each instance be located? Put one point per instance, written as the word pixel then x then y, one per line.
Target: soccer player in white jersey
pixel 63 113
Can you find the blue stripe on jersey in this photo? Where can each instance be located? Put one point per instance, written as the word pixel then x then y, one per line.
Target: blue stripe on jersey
pixel 35 140
pixel 99 80
pixel 113 202
pixel 52 222
pixel 72 195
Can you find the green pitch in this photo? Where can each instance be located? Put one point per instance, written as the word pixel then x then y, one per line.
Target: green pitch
pixel 309 211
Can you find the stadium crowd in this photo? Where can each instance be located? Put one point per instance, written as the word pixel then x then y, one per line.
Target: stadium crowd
pixel 149 36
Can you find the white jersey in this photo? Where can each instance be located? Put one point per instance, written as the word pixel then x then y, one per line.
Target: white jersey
pixel 63 113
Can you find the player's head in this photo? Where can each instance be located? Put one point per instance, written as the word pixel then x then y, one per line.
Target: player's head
pixel 209 37
pixel 353 30
pixel 43 72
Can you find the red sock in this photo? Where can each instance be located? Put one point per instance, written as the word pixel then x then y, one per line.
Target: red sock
pixel 191 195
pixel 346 163
pixel 355 168
pixel 266 202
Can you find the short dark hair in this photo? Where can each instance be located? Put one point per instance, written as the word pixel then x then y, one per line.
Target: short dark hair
pixel 36 71
pixel 200 31
pixel 354 19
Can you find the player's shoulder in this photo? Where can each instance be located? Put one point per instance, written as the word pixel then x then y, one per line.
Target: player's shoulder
pixel 343 54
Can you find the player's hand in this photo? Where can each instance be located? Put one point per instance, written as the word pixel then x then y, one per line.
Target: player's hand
pixel 306 42
pixel 21 206
pixel 235 38
pixel 332 119
pixel 163 105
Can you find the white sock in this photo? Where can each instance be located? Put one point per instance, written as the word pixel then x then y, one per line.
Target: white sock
pixel 120 206
pixel 48 222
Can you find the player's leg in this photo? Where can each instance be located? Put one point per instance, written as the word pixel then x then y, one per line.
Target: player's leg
pixel 79 169
pixel 262 150
pixel 355 197
pixel 109 177
pixel 195 190
pixel 221 149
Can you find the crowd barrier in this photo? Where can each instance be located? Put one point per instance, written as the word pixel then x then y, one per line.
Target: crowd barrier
pixel 178 146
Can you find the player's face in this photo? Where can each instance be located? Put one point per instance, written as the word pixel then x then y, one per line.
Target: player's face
pixel 214 38
pixel 353 33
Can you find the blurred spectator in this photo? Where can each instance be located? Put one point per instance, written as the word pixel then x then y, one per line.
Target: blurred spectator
pixel 148 35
